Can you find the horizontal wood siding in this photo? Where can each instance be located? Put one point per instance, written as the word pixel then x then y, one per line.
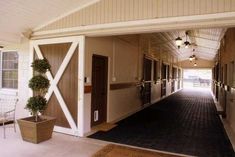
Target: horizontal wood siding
pixel 110 11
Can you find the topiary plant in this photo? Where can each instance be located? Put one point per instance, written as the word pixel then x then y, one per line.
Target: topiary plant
pixel 41 65
pixel 39 84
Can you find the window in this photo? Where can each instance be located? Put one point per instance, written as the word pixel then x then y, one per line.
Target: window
pixel 10 70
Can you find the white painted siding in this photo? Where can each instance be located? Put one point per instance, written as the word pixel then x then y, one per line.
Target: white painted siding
pixel 111 11
pixel 23 76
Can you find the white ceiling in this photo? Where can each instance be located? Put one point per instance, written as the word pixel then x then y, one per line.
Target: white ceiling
pixel 19 16
pixel 206 42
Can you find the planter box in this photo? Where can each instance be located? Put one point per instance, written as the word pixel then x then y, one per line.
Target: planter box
pixel 36 132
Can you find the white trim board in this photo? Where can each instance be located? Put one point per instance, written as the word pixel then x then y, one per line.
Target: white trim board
pixel 77 41
pixel 144 26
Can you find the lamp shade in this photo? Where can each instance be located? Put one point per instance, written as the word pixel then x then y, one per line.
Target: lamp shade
pixel 178 41
pixel 187 44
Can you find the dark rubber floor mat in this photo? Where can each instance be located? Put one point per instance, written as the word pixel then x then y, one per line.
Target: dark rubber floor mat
pixel 185 122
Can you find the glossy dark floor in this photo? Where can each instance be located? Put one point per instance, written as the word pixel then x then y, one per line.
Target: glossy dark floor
pixel 185 122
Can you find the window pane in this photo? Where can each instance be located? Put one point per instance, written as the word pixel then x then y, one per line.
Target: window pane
pixel 15 75
pixel 10 70
pixel 5 75
pixel 5 84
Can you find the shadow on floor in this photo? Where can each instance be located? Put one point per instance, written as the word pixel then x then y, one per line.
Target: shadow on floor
pixel 185 122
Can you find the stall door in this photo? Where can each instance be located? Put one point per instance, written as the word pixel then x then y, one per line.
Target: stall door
pixel 99 89
pixel 146 98
pixel 164 76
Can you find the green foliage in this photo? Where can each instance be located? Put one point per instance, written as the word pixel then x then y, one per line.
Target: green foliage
pixel 36 104
pixel 39 83
pixel 41 65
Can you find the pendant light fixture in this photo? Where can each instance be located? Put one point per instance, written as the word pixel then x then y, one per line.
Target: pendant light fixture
pixel 195 64
pixel 187 43
pixel 178 41
pixel 190 58
pixel 193 56
pixel 1 47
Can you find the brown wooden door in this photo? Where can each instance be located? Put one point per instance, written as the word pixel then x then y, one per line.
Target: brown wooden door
pixel 67 85
pixel 164 77
pixel 147 78
pixel 99 89
pixel 179 78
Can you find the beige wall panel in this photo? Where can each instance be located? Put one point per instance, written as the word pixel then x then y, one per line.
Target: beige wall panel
pixel 231 110
pixel 159 8
pixel 180 8
pixel 111 11
pixel 123 102
pixel 232 5
pixel 227 5
pixel 100 46
pixel 87 111
pixel 221 5
pixel 126 60
pixel 125 64
pixel 170 7
pixel 227 56
pixel 197 7
pixel 175 8
pixel 156 92
pixel 185 7
pixel 191 7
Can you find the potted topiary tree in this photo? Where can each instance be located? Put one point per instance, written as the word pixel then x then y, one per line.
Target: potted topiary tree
pixel 37 128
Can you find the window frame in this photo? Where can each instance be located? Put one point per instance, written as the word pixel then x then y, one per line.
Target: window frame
pixel 1 72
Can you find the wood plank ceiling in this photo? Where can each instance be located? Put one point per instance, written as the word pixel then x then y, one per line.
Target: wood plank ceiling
pixel 19 16
pixel 205 42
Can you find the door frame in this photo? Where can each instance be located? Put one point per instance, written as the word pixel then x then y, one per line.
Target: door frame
pixel 77 41
pixel 107 88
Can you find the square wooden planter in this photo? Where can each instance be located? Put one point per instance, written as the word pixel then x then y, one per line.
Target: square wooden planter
pixel 36 132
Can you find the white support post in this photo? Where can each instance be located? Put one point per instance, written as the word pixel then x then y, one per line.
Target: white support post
pixel 81 71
